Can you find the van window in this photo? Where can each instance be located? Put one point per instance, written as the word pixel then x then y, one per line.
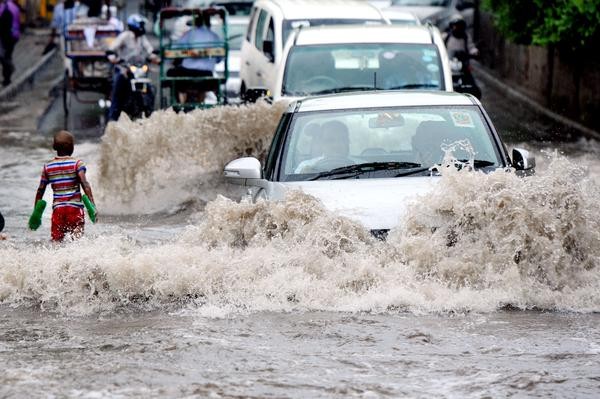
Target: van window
pixel 259 35
pixel 251 24
pixel 270 31
pixel 290 24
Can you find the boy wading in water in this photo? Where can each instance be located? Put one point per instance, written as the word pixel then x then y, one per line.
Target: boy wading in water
pixel 65 174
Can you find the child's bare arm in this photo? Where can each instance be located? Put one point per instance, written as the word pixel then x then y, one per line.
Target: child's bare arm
pixel 41 188
pixel 87 188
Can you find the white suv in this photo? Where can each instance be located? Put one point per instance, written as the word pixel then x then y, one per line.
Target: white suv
pixel 334 59
pixel 272 22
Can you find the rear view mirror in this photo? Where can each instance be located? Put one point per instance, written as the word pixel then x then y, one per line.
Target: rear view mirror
pixel 522 160
pixel 238 171
pixel 386 120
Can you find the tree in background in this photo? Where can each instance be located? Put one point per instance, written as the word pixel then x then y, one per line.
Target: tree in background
pixel 568 24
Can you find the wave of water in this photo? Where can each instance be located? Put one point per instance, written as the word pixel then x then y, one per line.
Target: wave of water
pixel 477 243
pixel 155 164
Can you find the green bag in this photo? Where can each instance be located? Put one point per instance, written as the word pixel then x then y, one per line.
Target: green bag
pixel 91 209
pixel 35 220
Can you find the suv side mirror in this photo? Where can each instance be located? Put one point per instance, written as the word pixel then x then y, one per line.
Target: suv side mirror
pixel 242 169
pixel 522 160
pixel 267 49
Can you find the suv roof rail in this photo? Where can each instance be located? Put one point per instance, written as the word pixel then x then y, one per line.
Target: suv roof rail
pixel 430 27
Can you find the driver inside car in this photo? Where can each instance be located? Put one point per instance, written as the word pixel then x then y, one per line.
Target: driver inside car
pixel 333 145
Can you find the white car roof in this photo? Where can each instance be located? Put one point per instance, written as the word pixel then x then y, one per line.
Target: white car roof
pixel 325 9
pixel 380 99
pixel 363 34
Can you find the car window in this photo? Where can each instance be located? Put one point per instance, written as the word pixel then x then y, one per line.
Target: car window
pixel 270 31
pixel 320 69
pixel 251 24
pixel 260 30
pixel 321 141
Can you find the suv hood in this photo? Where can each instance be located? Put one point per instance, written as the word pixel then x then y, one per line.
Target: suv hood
pixel 378 204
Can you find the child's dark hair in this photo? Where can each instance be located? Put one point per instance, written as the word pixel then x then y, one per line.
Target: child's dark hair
pixel 64 143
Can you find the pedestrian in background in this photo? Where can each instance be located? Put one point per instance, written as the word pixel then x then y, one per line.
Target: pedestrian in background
pixel 10 31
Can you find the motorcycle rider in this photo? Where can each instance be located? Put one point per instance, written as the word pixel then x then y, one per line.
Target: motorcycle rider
pixel 131 45
pixel 457 38
pixel 460 46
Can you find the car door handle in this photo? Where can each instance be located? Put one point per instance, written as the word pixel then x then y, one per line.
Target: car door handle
pixel 259 74
pixel 248 63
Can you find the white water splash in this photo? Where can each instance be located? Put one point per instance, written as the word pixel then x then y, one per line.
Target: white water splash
pixel 477 243
pixel 158 163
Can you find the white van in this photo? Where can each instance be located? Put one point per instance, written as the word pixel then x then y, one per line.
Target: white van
pixel 337 59
pixel 272 21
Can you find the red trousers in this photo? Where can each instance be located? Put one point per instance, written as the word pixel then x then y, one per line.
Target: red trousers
pixel 67 220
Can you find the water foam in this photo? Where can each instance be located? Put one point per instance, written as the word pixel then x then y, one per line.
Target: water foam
pixel 158 163
pixel 477 243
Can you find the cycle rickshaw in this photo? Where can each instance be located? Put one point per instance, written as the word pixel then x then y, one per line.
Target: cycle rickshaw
pixel 173 25
pixel 86 66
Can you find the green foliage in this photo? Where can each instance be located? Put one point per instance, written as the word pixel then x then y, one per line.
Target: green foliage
pixel 570 24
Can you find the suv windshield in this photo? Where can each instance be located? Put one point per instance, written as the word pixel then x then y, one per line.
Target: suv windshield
pixel 386 142
pixel 333 68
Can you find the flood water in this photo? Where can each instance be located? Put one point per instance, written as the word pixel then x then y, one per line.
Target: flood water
pixel 181 291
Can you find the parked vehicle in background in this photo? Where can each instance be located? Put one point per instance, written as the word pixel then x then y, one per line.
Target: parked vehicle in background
pixel 366 155
pixel 334 59
pixel 235 7
pixel 236 30
pixel 438 12
pixel 273 21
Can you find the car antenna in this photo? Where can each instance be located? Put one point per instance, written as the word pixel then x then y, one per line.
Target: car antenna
pixel 374 80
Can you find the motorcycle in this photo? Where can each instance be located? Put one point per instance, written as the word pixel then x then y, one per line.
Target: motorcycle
pixel 141 99
pixel 462 78
pixel 138 92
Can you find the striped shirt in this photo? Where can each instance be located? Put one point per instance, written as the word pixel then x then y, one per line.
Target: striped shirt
pixel 61 174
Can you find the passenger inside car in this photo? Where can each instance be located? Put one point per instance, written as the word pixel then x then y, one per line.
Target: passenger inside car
pixel 333 146
pixel 430 139
pixel 397 70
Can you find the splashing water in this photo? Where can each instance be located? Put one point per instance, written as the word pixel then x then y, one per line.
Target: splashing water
pixel 155 164
pixel 478 242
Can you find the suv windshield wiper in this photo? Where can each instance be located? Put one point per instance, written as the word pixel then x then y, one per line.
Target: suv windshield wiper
pixel 342 89
pixel 414 86
pixel 356 169
pixel 478 163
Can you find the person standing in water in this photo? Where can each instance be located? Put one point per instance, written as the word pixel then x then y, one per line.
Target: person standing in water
pixel 66 175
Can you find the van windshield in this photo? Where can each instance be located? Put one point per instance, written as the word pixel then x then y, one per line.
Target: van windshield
pixel 333 68
pixel 290 24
